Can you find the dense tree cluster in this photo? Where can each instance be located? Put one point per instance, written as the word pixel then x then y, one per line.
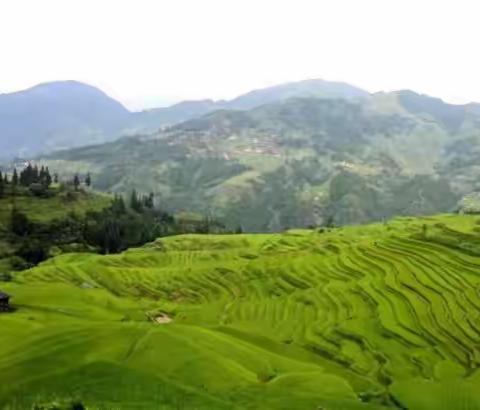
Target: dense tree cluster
pixel 141 202
pixel 36 180
pixel 32 175
pixel 119 226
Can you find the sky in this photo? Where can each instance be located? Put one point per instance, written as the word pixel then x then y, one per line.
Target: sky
pixel 148 53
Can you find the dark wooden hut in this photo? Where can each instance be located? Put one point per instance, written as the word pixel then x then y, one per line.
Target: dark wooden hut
pixel 4 302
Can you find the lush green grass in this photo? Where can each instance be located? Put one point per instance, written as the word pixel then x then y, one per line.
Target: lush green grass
pixel 377 316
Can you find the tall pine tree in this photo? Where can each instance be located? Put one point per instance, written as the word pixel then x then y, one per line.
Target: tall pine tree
pixel 15 177
pixel 135 202
pixel 76 182
pixel 2 185
pixel 35 175
pixel 48 178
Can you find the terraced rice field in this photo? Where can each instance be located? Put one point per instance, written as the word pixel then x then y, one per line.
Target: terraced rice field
pixel 367 317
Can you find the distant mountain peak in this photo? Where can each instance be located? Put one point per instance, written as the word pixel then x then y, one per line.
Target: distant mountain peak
pixel 56 115
pixel 59 87
pixel 63 84
pixel 318 88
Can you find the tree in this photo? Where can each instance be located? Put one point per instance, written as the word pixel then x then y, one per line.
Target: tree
pixel 135 203
pixel 44 177
pixel 35 175
pixel 118 205
pixel 88 180
pixel 48 178
pixel 55 178
pixel 2 185
pixel 33 250
pixel 41 175
pixel 148 201
pixel 25 176
pixel 15 177
pixel 76 182
pixel 31 175
pixel 19 223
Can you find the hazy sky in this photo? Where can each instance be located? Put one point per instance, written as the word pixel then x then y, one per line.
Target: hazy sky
pixel 151 52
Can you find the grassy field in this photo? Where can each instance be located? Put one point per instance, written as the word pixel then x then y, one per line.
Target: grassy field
pixel 57 206
pixel 365 317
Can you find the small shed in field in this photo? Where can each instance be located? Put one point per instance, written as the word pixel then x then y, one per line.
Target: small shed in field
pixel 4 302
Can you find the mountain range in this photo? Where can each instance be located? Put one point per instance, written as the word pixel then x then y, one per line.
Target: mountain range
pixel 302 160
pixel 67 114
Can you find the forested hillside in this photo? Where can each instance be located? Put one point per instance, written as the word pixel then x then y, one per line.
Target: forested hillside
pixel 301 162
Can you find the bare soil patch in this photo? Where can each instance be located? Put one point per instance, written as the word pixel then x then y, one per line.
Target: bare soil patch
pixel 163 319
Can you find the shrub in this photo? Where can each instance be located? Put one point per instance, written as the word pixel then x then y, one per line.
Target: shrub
pixel 60 405
pixel 38 189
pixel 18 263
pixel 5 277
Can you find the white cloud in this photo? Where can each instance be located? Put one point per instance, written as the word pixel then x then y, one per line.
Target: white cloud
pixel 146 52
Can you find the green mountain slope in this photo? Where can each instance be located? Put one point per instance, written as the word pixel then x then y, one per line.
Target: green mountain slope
pixel 378 316
pixel 300 162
